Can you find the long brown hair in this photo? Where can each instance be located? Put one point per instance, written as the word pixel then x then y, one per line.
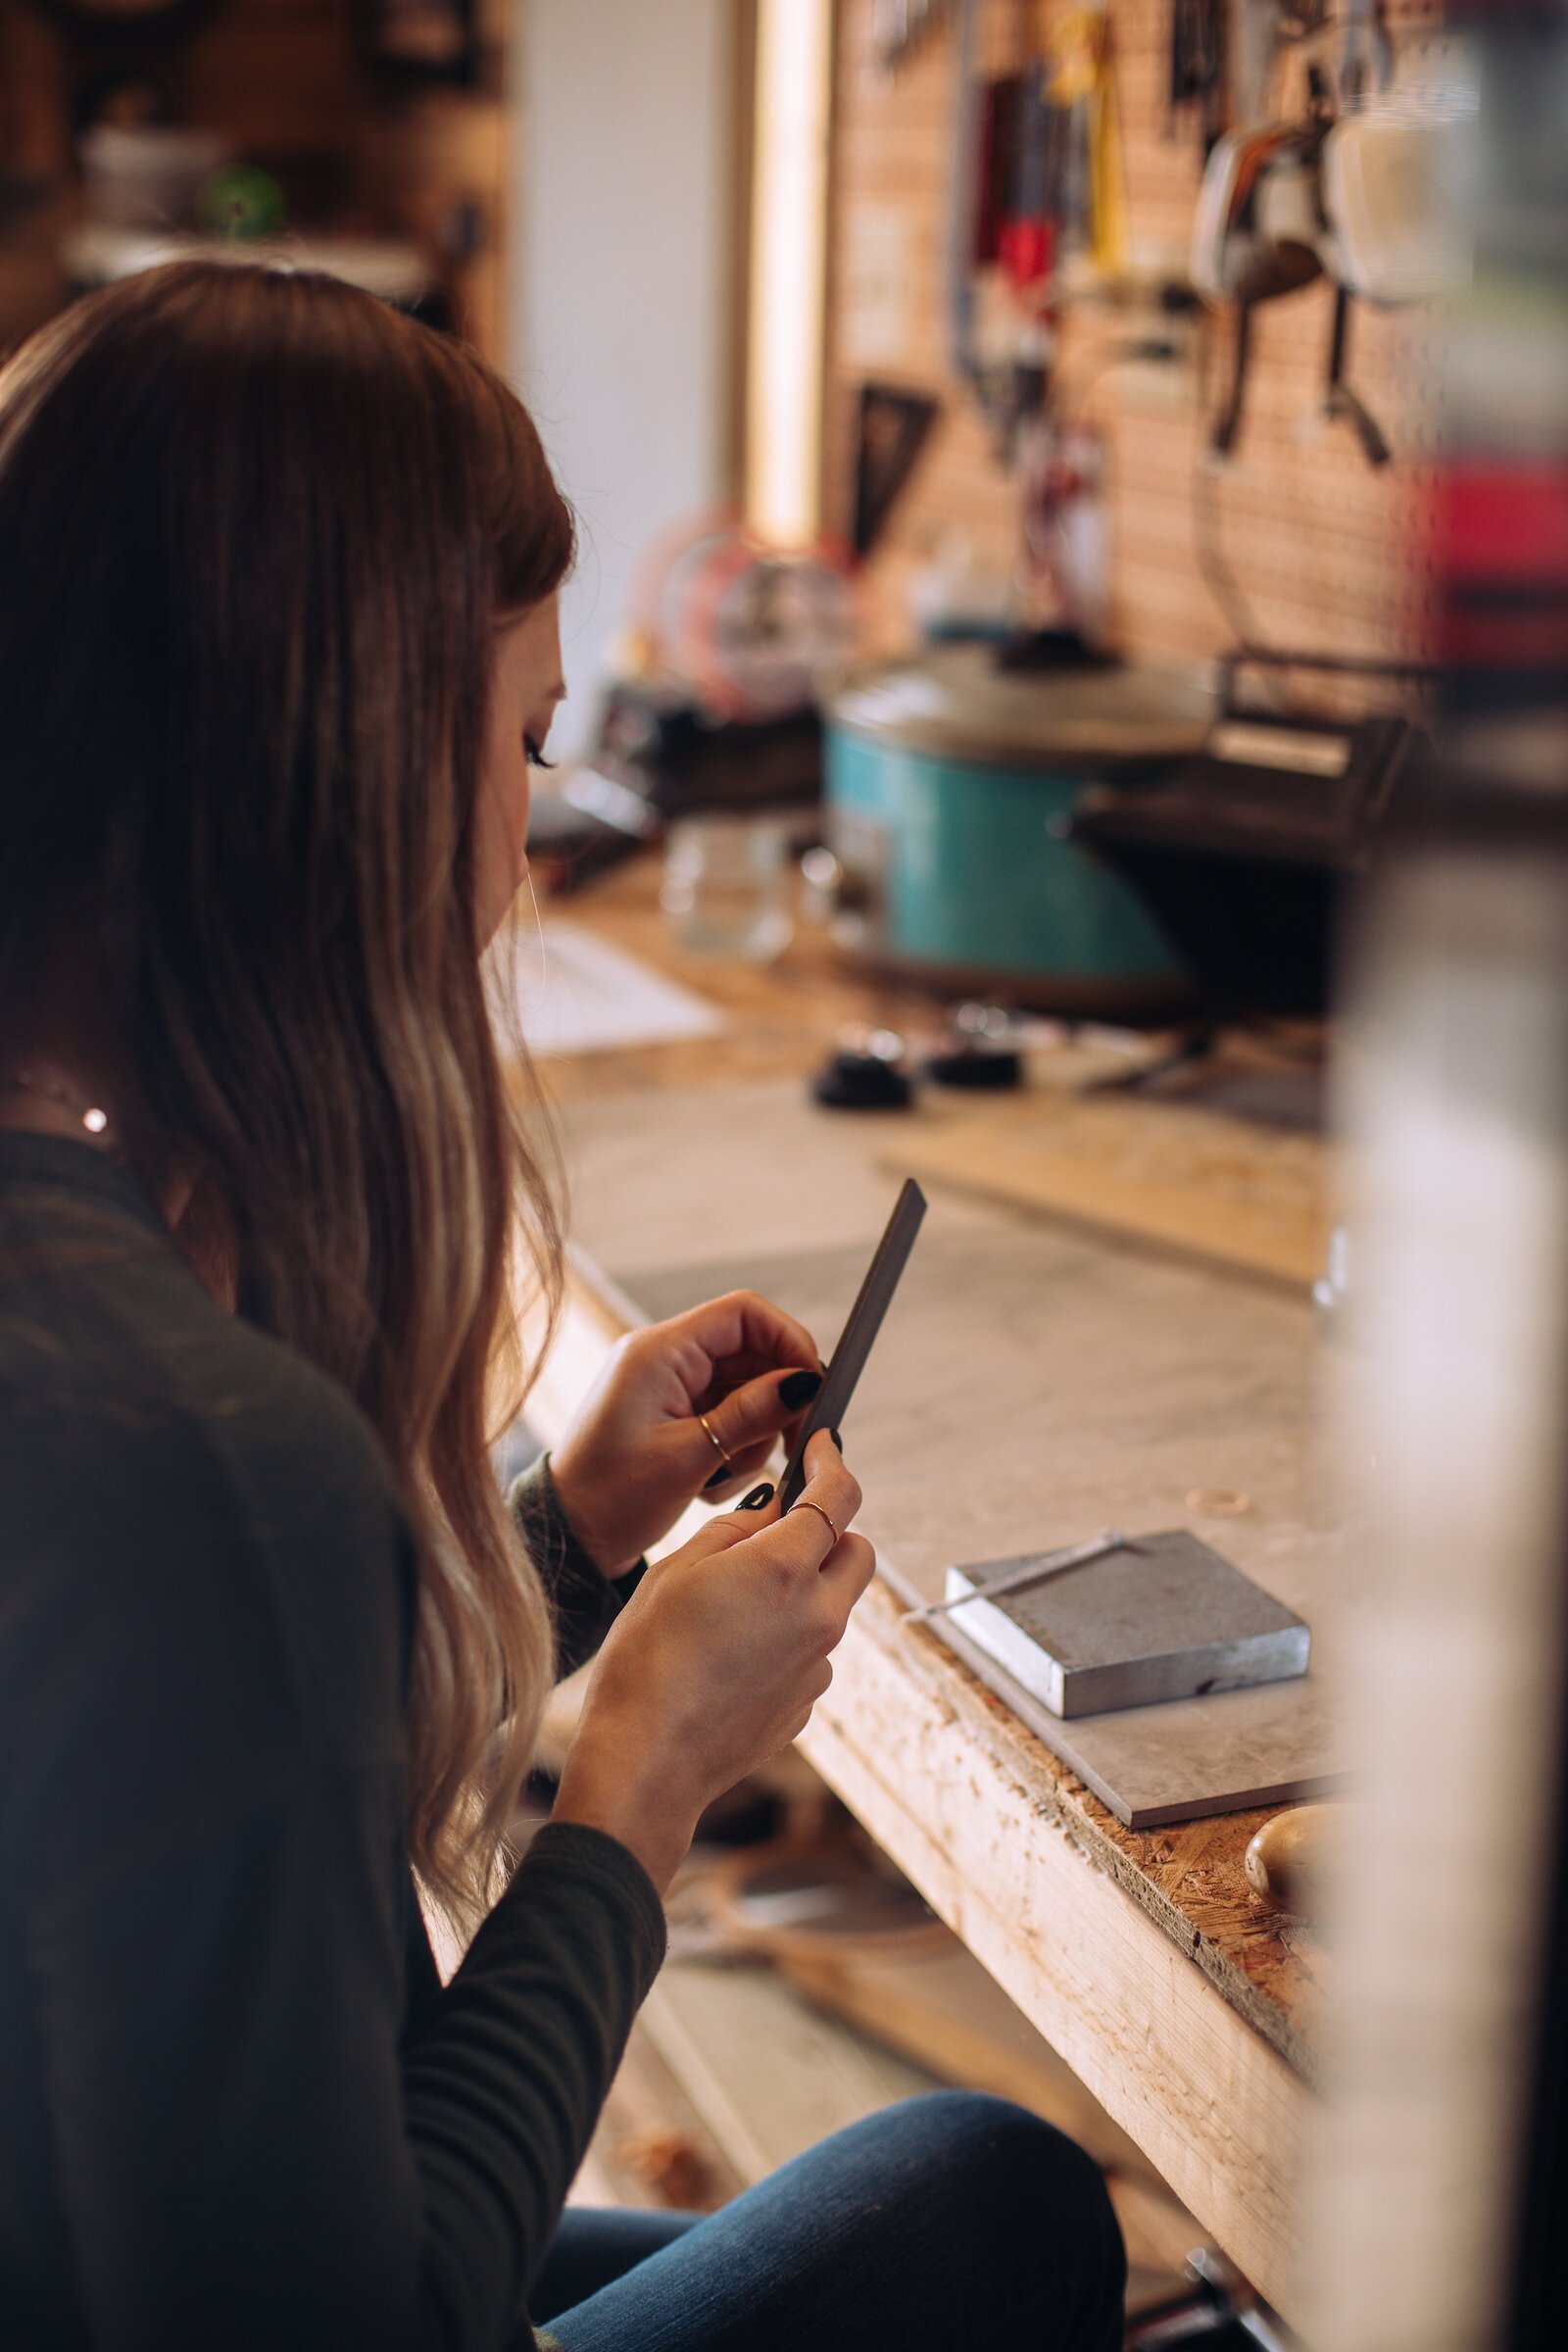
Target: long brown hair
pixel 257 532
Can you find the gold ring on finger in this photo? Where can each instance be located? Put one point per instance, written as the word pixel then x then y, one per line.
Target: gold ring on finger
pixel 714 1439
pixel 804 1505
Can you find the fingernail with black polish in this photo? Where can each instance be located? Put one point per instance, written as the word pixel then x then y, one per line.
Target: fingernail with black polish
pixel 837 1439
pixel 719 1475
pixel 758 1499
pixel 798 1389
pixel 821 1367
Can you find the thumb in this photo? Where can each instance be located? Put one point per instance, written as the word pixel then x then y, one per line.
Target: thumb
pixel 725 1528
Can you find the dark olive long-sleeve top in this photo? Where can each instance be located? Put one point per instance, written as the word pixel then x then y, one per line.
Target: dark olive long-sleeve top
pixel 237 2107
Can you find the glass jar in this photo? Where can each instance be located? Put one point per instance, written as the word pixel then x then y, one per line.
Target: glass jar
pixel 726 887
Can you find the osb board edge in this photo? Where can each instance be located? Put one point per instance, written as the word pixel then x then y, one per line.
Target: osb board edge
pixel 1056 1793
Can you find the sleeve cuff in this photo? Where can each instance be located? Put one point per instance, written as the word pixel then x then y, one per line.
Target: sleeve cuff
pixel 571 1849
pixel 585 1603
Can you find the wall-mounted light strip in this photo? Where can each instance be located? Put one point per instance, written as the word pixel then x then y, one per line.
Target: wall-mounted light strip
pixel 789 270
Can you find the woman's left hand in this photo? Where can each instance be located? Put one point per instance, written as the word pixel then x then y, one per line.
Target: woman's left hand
pixel 637 1453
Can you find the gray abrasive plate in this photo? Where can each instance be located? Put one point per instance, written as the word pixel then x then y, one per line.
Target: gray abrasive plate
pixel 1193 1757
pixel 1161 1617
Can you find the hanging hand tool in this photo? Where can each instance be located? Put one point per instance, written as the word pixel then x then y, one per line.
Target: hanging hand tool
pixel 1366 60
pixel 1081 79
pixel 1340 404
pixel 1198 67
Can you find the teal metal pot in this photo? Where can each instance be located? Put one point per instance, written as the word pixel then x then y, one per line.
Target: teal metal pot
pixel 951 788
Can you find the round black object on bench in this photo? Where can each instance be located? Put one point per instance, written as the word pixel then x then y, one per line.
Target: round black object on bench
pixel 862 1082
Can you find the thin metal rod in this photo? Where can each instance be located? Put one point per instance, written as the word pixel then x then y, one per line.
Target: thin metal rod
pixel 1050 1563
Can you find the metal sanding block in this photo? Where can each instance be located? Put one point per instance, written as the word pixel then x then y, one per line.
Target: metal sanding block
pixel 1162 1617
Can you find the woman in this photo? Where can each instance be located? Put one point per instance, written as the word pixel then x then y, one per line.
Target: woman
pixel 278 643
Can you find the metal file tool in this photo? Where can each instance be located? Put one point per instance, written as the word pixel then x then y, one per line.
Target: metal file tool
pixel 858 1333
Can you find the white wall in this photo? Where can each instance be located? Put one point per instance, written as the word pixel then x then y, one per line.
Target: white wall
pixel 622 197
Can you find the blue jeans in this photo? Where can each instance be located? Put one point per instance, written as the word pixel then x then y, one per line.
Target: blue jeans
pixel 954 2221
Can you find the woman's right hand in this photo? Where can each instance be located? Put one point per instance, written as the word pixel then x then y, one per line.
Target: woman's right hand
pixel 715 1665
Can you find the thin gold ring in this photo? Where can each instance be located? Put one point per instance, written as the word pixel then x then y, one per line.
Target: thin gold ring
pixel 804 1505
pixel 714 1439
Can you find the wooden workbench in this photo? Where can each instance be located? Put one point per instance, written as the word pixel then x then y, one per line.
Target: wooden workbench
pixel 1183 2004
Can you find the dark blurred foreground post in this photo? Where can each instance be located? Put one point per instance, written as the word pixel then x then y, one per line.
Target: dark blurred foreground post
pixel 1439 2191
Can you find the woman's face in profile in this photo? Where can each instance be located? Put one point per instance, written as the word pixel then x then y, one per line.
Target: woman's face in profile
pixel 525 685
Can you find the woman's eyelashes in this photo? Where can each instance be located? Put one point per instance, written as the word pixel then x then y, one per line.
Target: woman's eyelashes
pixel 534 754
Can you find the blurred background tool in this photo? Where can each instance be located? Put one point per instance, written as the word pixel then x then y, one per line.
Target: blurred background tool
pixel 729 643
pixel 1358 187
pixel 865 1074
pixel 982 1051
pixel 1245 853
pixel 951 787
